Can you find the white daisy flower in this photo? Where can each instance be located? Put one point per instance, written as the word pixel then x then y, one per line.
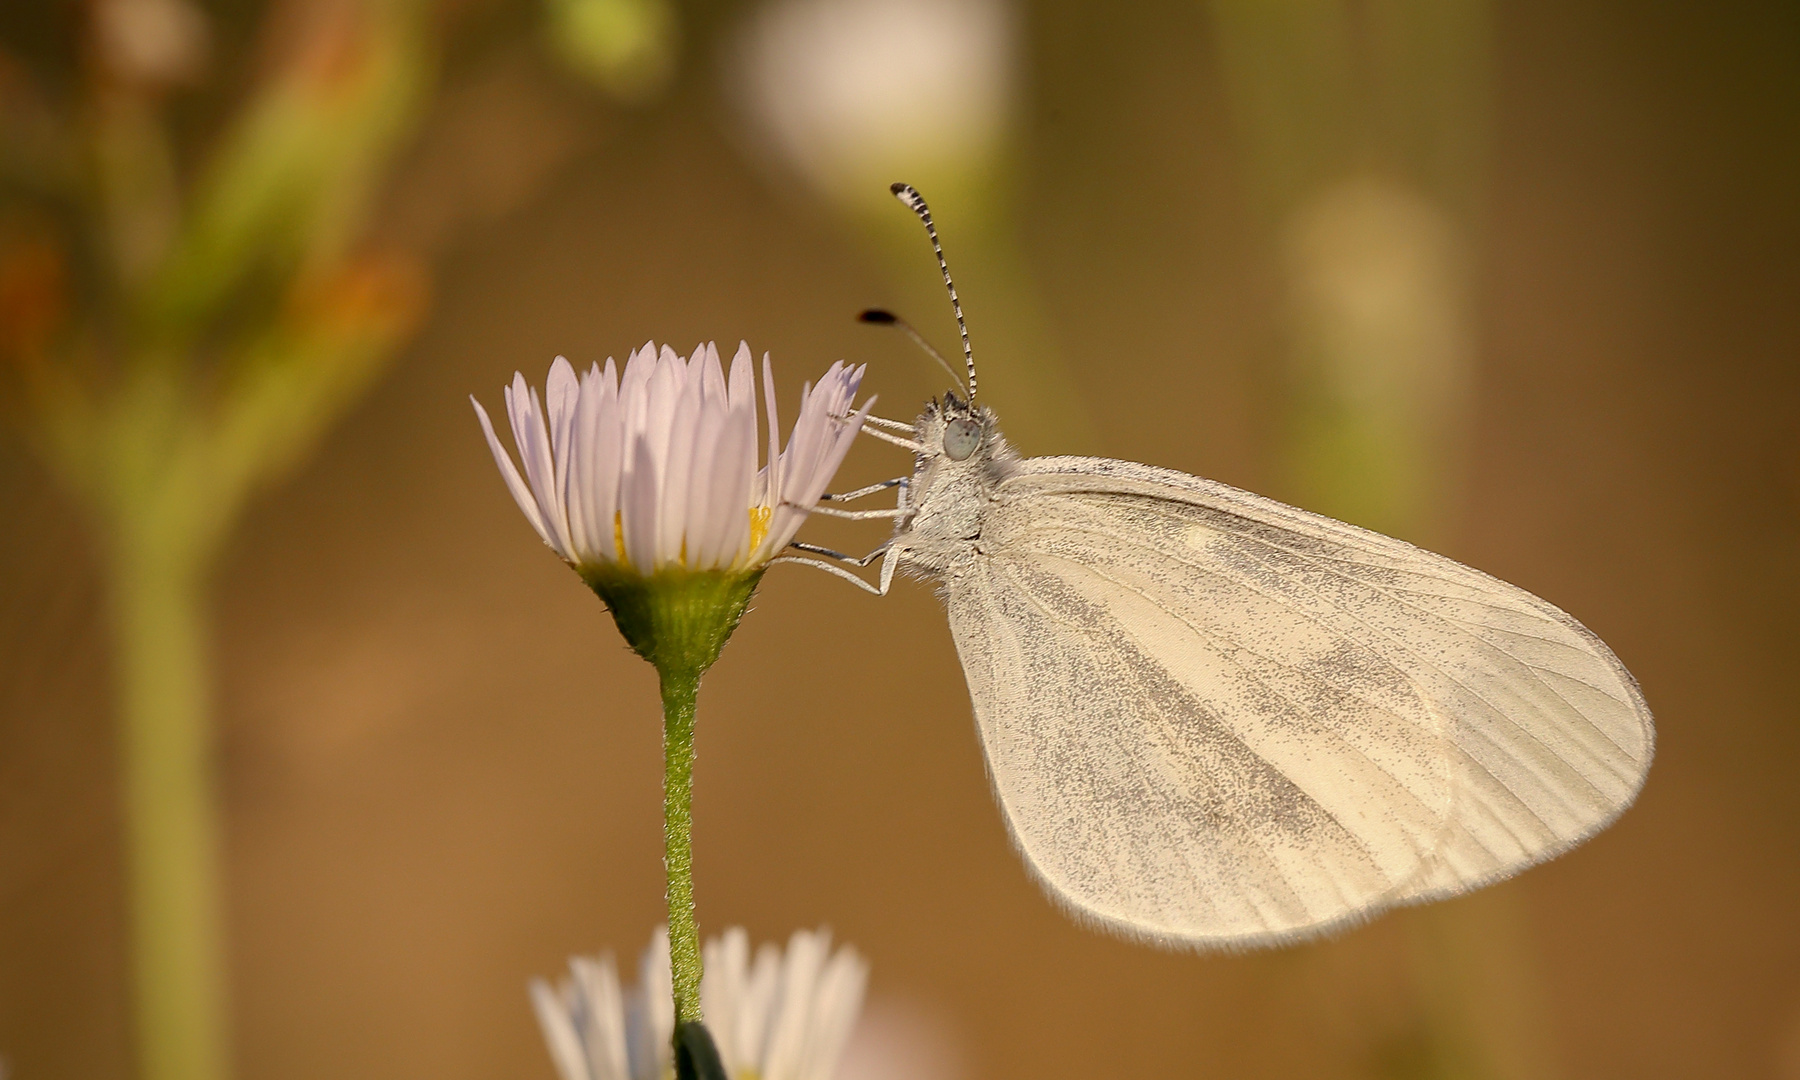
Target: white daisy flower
pixel 780 1015
pixel 656 470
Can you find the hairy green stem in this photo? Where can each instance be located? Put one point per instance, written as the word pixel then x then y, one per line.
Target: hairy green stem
pixel 172 832
pixel 678 620
pixel 679 689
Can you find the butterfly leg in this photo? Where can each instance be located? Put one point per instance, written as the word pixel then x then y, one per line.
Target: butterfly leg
pixel 908 444
pixel 898 481
pixel 840 556
pixel 890 561
pixel 888 554
pixel 836 571
pixel 900 509
pixel 863 515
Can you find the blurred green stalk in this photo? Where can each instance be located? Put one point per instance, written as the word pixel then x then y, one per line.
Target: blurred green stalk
pixel 172 828
pixel 1364 127
pixel 215 330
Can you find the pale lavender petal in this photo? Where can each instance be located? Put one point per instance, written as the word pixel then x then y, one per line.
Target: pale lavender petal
pixel 771 473
pixel 580 484
pixel 663 392
pixel 836 1004
pixel 533 442
pixel 604 1015
pixel 762 991
pixel 713 379
pixel 528 437
pixel 638 505
pixel 678 472
pixel 835 434
pixel 705 518
pixel 638 367
pixel 558 1025
pixel 733 483
pixel 799 974
pixel 560 391
pixel 609 459
pixel 736 482
pixel 787 470
pixel 543 480
pixel 820 442
pixel 734 474
pixel 632 398
pixel 510 473
pixel 517 396
pixel 803 443
pixel 727 966
pixel 841 432
pixel 742 387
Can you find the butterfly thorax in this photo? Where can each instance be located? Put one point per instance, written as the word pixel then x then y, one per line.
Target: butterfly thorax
pixel 949 493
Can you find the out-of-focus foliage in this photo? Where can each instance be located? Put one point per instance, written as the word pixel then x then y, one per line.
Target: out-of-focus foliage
pixel 434 783
pixel 1363 130
pixel 194 284
pixel 628 47
pixel 201 320
pixel 182 322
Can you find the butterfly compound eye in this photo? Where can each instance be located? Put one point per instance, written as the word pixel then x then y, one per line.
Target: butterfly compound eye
pixel 961 437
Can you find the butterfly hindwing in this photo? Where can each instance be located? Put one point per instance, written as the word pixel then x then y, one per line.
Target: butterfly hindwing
pixel 1215 719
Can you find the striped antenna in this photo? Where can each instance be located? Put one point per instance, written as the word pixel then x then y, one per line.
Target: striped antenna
pixel 915 202
pixel 882 317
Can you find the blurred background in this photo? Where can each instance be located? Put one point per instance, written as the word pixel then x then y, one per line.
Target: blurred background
pixel 1519 280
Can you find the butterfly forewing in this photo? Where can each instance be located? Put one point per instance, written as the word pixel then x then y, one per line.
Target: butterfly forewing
pixel 1217 719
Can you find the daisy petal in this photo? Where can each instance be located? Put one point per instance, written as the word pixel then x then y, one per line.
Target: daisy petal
pixel 656 466
pixel 510 473
pixel 786 1015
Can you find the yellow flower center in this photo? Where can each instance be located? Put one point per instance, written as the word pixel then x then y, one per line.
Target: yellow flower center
pixel 759 528
pixel 759 524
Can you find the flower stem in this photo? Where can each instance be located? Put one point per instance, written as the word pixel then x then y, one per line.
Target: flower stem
pixel 171 816
pixel 679 690
pixel 678 620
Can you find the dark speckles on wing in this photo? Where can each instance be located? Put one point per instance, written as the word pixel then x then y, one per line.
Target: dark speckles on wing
pixel 1132 792
pixel 1213 718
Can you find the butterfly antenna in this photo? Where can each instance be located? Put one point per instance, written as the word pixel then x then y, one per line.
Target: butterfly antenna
pixel 880 317
pixel 915 202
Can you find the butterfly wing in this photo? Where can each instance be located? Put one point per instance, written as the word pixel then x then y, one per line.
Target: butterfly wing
pixel 1217 720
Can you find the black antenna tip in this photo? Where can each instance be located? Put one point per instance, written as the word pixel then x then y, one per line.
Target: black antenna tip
pixel 909 196
pixel 878 317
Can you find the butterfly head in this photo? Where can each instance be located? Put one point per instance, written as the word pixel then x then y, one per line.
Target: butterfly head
pixel 957 430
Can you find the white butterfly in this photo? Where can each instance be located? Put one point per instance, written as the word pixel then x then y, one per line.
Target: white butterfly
pixel 1217 721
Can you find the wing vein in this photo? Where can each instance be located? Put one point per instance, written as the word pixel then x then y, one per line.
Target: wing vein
pixel 1535 673
pixel 1194 871
pixel 1222 650
pixel 1477 695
